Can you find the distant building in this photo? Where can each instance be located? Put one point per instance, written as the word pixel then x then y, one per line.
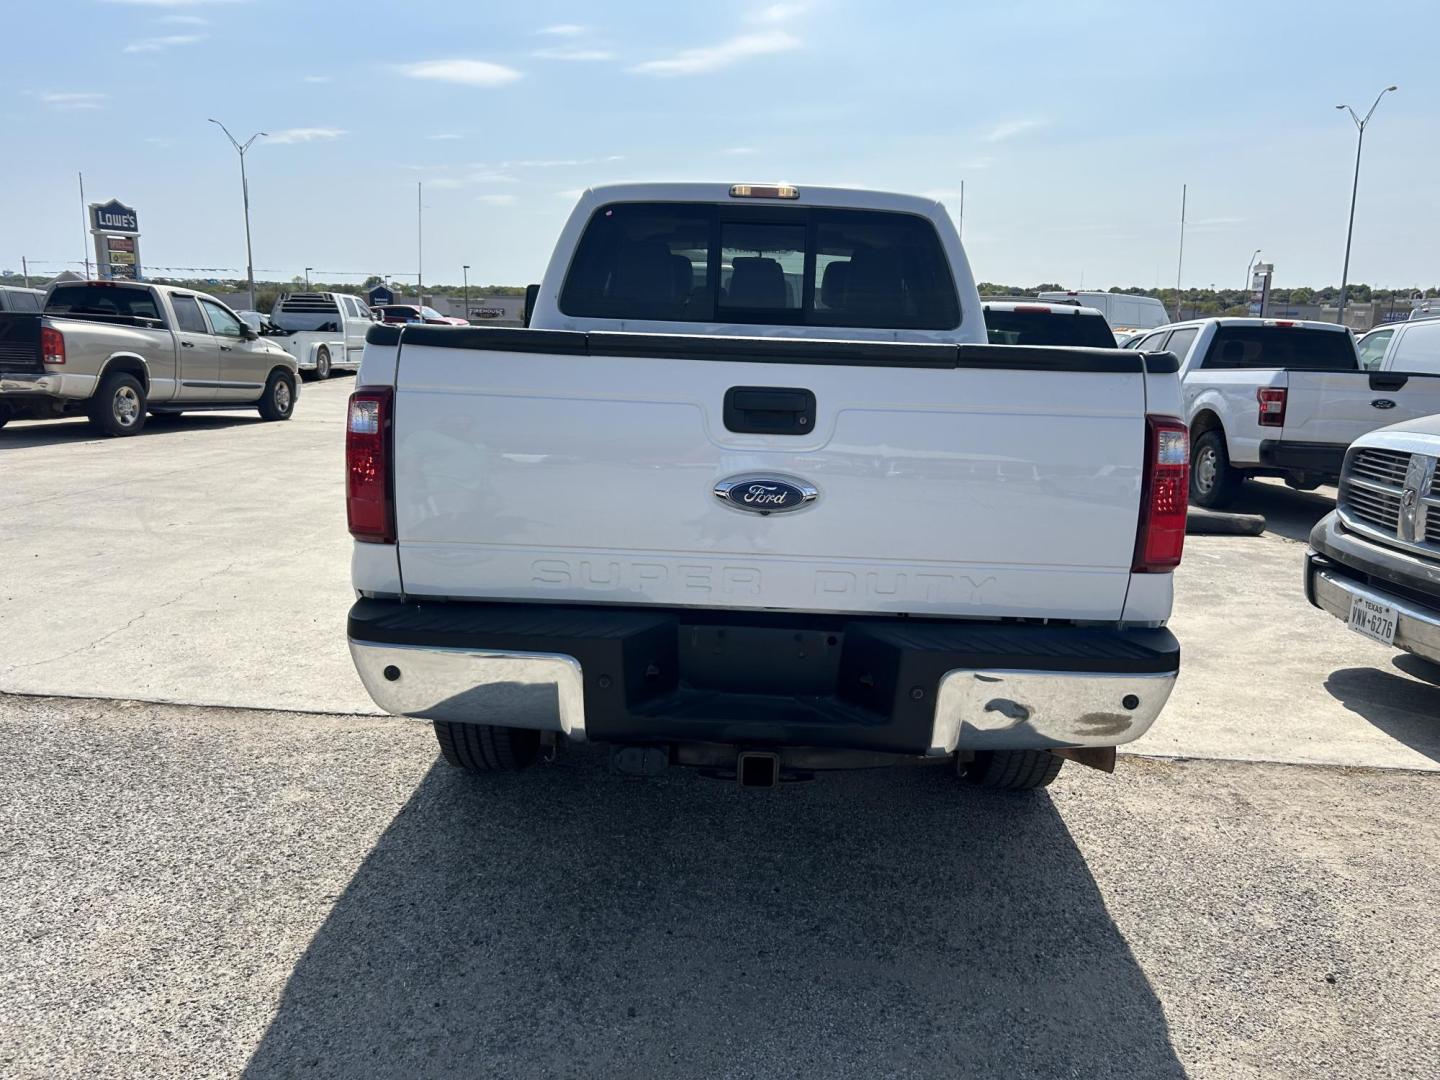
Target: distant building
pixel 484 310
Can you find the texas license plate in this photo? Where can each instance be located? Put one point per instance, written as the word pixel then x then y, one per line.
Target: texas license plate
pixel 1375 621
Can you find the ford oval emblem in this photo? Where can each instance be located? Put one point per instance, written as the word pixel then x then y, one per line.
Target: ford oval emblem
pixel 1382 403
pixel 765 494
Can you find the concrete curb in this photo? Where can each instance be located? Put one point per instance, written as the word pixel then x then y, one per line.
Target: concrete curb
pixel 1202 522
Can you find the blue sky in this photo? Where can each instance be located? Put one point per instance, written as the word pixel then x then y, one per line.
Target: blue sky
pixel 1072 124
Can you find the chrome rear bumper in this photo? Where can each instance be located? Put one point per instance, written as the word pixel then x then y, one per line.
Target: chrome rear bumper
pixel 525 690
pixel 974 709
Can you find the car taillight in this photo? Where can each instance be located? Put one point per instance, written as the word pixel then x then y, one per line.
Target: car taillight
pixel 52 346
pixel 1164 493
pixel 1272 406
pixel 369 485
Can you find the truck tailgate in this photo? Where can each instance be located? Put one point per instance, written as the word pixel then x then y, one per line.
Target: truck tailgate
pixel 1340 406
pixel 957 480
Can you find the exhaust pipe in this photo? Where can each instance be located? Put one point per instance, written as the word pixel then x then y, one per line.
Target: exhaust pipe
pixel 757 769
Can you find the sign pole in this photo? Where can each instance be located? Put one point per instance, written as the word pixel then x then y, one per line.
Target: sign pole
pixel 84 225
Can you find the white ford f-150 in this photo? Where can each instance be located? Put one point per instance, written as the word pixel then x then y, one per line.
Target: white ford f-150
pixel 752 493
pixel 1278 397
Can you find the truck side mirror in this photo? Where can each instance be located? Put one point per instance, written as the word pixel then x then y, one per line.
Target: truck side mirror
pixel 532 293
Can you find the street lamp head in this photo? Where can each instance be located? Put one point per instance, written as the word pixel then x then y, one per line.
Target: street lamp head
pixel 1389 88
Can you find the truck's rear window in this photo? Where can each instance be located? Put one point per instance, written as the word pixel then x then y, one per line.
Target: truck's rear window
pixel 686 262
pixel 1287 347
pixel 110 300
pixel 1048 328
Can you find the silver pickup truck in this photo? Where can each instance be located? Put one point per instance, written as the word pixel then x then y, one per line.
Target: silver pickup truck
pixel 115 351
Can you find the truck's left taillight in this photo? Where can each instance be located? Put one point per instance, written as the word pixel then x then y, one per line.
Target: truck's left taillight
pixel 1164 495
pixel 369 481
pixel 52 345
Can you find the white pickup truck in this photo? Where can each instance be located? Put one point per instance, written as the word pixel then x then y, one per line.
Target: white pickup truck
pixel 752 494
pixel 322 330
pixel 1279 397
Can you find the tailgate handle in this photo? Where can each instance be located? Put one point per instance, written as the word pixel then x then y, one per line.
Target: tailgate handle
pixel 1386 380
pixel 769 410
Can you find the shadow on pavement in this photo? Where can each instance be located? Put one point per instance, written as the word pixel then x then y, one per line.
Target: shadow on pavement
pixel 1405 710
pixel 1287 512
pixel 571 922
pixel 57 432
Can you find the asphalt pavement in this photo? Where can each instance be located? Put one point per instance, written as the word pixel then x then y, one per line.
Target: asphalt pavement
pixel 195 892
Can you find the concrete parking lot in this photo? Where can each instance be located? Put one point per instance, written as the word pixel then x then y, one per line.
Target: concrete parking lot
pixel 206 562
pixel 266 878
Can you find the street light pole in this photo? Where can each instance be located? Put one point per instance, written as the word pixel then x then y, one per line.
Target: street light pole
pixel 1355 191
pixel 465 273
pixel 1250 266
pixel 307 275
pixel 245 194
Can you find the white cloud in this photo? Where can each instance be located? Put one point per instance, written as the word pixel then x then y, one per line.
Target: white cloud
pixel 1011 128
pixel 573 54
pixel 445 183
pixel 779 13
pixel 160 44
pixel 552 163
pixel 738 151
pixel 444 136
pixel 304 135
pixel 318 78
pixel 160 140
pixel 183 20
pixel 497 200
pixel 73 100
pixel 714 57
pixel 464 72
pixel 562 30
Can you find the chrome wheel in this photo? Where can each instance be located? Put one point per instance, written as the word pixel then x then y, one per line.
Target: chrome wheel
pixel 282 396
pixel 322 363
pixel 1206 466
pixel 125 406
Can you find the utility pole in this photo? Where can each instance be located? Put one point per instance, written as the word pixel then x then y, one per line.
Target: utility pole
pixel 25 270
pixel 245 194
pixel 1354 191
pixel 84 225
pixel 307 275
pixel 1180 264
pixel 465 272
pixel 419 243
pixel 961 231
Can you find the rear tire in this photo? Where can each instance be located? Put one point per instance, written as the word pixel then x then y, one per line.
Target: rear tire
pixel 118 407
pixel 1213 481
pixel 483 748
pixel 278 401
pixel 1012 770
pixel 322 362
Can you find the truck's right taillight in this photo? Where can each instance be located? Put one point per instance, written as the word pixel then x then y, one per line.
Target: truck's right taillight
pixel 369 482
pixel 52 346
pixel 1272 406
pixel 1164 494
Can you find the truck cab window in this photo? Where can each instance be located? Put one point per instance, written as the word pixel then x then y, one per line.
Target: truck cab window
pixel 762 267
pixel 1372 348
pixel 796 266
pixel 221 321
pixel 187 315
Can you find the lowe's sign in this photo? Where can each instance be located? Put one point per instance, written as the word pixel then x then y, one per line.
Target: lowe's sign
pixel 112 217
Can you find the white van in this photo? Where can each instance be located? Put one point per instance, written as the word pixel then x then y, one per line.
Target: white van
pixel 1121 310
